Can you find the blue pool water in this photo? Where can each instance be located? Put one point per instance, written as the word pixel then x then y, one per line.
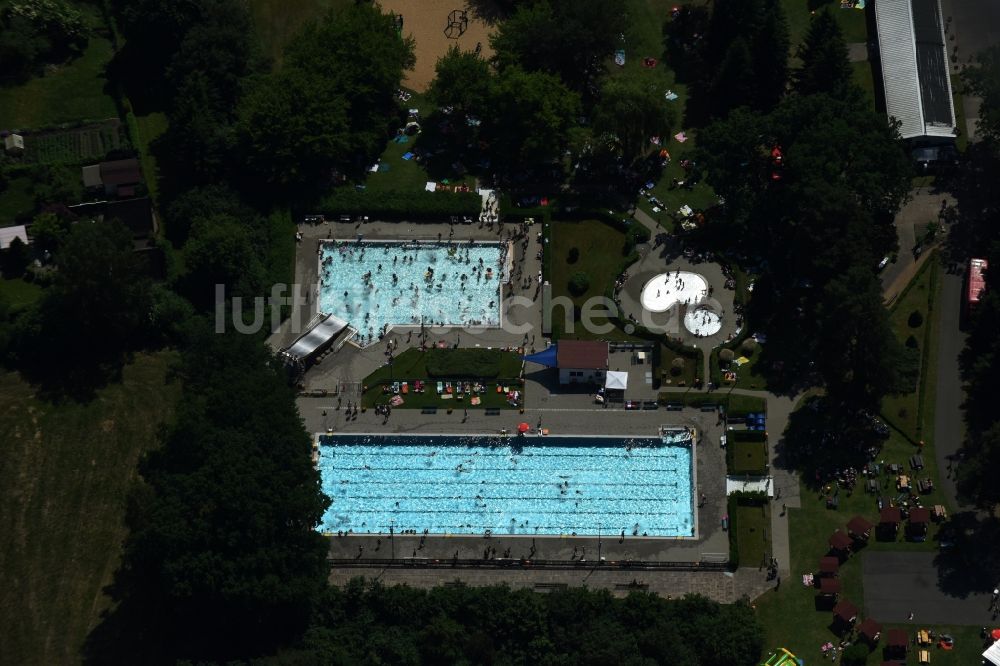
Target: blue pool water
pixel 467 485
pixel 403 283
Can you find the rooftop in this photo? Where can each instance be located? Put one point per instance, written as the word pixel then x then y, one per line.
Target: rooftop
pixel 587 354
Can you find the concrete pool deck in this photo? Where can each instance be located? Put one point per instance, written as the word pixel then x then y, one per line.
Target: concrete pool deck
pixel 564 410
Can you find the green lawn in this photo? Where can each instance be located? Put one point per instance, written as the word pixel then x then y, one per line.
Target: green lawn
pixel 907 412
pixel 150 127
pixel 412 364
pixel 852 21
pixel 790 615
pixel 863 77
pixel 19 293
pixel 752 524
pixel 16 200
pixel 278 20
pixel 746 457
pixel 73 92
pixel 600 258
pixel 66 473
pixel 747 375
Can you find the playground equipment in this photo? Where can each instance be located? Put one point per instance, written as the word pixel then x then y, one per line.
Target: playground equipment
pixel 458 22
pixel 782 657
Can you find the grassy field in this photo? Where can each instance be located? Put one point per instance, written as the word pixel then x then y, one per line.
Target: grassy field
pixel 278 20
pixel 66 472
pixel 907 412
pixel 16 200
pixel 72 92
pixel 412 365
pixel 747 375
pixel 746 457
pixel 852 21
pixel 150 127
pixel 752 523
pixel 19 293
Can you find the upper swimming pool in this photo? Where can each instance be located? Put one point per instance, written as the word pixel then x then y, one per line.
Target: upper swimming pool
pixel 375 285
pixel 525 485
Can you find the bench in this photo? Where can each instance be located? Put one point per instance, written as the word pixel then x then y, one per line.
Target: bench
pixel 492 412
pixel 709 408
pixel 429 410
pixel 674 406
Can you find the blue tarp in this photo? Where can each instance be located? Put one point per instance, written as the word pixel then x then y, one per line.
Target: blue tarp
pixel 546 357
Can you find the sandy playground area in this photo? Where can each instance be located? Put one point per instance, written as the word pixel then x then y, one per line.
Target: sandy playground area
pixel 425 21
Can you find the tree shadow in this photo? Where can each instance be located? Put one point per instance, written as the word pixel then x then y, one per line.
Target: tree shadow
pixel 967 561
pixel 490 12
pixel 823 438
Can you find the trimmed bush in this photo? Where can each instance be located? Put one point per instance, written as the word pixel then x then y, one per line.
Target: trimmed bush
pixel 573 255
pixel 911 342
pixel 916 319
pixel 855 655
pixel 677 366
pixel 579 283
pixel 748 347
pixel 726 356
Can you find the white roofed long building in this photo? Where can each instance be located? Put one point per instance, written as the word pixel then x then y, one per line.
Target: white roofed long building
pixel 915 72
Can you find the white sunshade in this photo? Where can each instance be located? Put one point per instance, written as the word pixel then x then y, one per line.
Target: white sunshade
pixel 616 380
pixel 992 654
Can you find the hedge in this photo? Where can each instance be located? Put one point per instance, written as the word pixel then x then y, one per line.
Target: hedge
pixel 399 205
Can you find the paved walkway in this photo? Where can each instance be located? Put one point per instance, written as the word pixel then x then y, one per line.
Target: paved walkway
pixel 949 424
pixel 723 587
pixel 857 51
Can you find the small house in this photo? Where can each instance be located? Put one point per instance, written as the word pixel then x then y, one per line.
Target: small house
pixel 582 361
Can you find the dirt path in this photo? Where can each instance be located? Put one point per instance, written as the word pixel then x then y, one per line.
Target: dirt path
pixel 425 21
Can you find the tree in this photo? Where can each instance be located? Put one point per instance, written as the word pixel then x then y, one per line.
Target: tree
pixel 221 252
pixel 734 83
pixel 529 124
pixel 463 81
pixel 14 260
pixel 976 476
pixel 571 39
pixel 153 32
pixel 983 80
pixel 223 539
pixel 49 230
pixel 579 283
pixel 21 48
pixel 630 110
pixel 202 202
pixel 90 319
pixel 769 49
pixel 825 65
pixel 330 104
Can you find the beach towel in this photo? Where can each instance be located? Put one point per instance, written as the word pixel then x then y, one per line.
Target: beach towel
pixel 406 387
pixel 396 401
pixel 655 140
pixel 431 186
pixel 408 156
pixel 475 400
pixel 440 387
pixel 620 57
pixel 681 136
pixel 670 95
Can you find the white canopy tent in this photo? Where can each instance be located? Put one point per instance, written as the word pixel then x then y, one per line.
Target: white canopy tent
pixel 616 380
pixel 992 654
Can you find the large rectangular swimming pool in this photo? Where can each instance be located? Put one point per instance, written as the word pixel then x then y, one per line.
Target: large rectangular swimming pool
pixel 525 485
pixel 375 285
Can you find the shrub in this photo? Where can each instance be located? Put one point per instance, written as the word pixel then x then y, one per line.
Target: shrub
pixel 855 655
pixel 748 347
pixel 911 342
pixel 677 366
pixel 916 319
pixel 726 356
pixel 636 233
pixel 579 283
pixel 573 255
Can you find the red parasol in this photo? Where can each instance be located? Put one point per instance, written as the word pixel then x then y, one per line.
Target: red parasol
pixel 995 634
pixel 524 427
